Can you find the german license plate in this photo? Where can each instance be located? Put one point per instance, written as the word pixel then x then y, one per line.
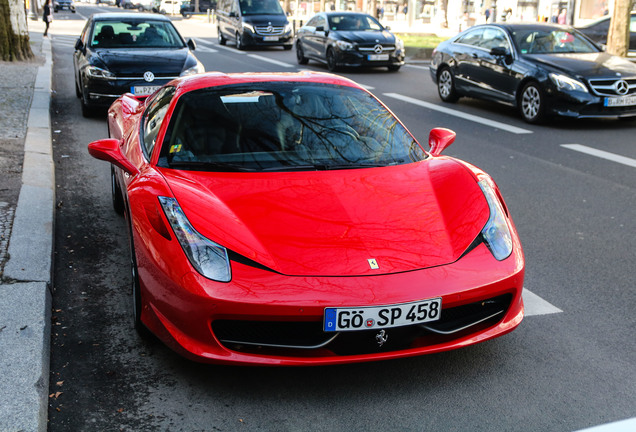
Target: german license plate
pixel 378 57
pixel 378 317
pixel 620 101
pixel 270 38
pixel 144 90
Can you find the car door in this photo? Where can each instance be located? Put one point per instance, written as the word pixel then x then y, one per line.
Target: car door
pixel 465 53
pixel 494 73
pixel 311 37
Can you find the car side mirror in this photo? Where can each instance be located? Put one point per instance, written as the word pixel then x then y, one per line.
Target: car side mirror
pixel 387 28
pixel 321 29
pixel 439 139
pixel 79 46
pixel 192 44
pixel 233 15
pixel 500 52
pixel 108 150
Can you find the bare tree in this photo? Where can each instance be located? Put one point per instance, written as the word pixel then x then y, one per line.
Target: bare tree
pixel 618 36
pixel 14 34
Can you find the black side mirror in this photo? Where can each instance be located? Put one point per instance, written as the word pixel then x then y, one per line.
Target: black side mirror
pixel 192 44
pixel 500 52
pixel 233 15
pixel 79 46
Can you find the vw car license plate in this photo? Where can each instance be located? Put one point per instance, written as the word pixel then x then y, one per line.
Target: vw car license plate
pixel 378 57
pixel 620 101
pixel 144 90
pixel 377 317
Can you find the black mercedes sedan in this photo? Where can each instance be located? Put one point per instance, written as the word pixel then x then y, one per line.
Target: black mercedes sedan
pixel 543 69
pixel 348 39
pixel 119 53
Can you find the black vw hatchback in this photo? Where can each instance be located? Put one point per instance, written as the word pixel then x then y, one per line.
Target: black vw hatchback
pixel 134 53
pixel 348 39
pixel 542 69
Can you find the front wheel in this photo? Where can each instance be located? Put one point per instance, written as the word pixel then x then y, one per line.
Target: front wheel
pixel 239 42
pixel 531 103
pixel 446 86
pixel 139 326
pixel 331 61
pixel 118 201
pixel 300 55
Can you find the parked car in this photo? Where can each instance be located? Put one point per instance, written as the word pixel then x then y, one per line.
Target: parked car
pixel 63 4
pixel 128 52
pixel 598 30
pixel 188 7
pixel 253 23
pixel 348 39
pixel 542 69
pixel 291 219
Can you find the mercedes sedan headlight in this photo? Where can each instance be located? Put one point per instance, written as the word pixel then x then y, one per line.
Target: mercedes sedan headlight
pixel 206 256
pixel 496 233
pixel 96 72
pixel 343 45
pixel 564 82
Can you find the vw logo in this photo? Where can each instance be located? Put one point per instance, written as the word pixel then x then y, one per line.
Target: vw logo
pixel 377 49
pixel 621 87
pixel 149 76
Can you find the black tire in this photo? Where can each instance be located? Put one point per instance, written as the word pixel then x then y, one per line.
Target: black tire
pixel 239 42
pixel 139 326
pixel 222 40
pixel 118 201
pixel 331 61
pixel 532 103
pixel 393 68
pixel 78 91
pixel 446 86
pixel 300 55
pixel 87 110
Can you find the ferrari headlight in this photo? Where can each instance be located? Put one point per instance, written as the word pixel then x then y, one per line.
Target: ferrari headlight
pixel 343 45
pixel 207 257
pixel 496 233
pixel 198 68
pixel 564 82
pixel 95 72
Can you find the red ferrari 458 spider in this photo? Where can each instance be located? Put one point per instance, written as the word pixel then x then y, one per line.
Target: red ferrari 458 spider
pixel 292 219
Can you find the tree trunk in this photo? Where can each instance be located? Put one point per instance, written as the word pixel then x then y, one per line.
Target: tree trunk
pixel 14 34
pixel 618 36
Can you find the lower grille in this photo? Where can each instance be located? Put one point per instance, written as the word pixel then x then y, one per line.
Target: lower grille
pixel 308 338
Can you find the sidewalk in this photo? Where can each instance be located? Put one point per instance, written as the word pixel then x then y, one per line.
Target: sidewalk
pixel 27 206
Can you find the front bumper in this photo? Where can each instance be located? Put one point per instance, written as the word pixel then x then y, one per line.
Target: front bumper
pixel 103 92
pixel 265 318
pixel 354 58
pixel 256 39
pixel 584 105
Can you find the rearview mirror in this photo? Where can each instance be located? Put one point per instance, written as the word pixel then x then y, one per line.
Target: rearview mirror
pixel 439 139
pixel 108 150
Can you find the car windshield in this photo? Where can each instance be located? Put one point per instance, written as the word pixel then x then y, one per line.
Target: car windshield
pixel 284 126
pixel 261 7
pixel 350 22
pixel 551 41
pixel 135 34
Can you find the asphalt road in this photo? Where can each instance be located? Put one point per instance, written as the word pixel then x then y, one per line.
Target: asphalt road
pixel 571 364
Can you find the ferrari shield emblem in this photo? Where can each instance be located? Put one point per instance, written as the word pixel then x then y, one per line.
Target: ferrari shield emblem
pixel 373 263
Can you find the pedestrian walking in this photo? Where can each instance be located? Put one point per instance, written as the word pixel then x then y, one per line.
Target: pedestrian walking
pixel 47 17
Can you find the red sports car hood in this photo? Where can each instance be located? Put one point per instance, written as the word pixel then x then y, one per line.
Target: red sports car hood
pixel 338 223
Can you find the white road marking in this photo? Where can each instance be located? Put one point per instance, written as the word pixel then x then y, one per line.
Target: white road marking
pixel 416 66
pixel 368 87
pixel 206 49
pixel 601 154
pixel 269 60
pixel 628 425
pixel 535 305
pixel 463 115
pixel 234 50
